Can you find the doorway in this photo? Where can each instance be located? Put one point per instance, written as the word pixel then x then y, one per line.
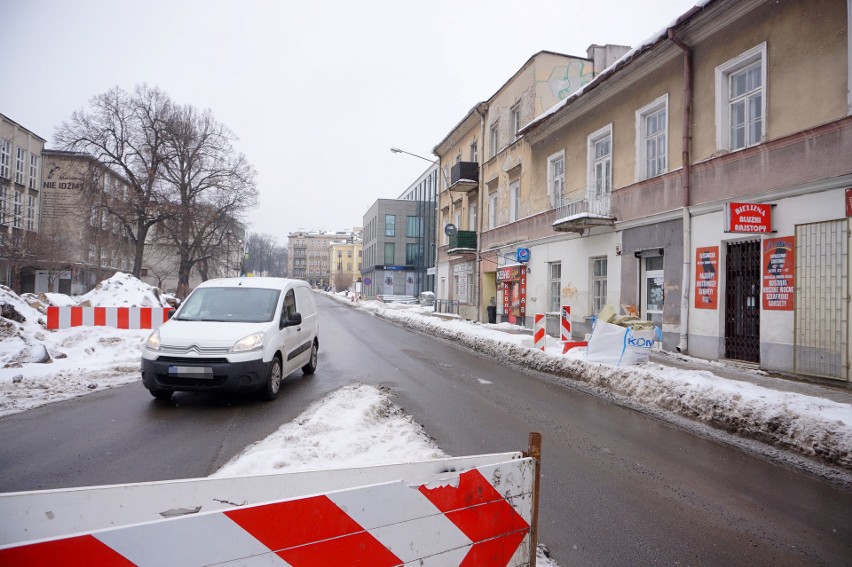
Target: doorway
pixel 742 301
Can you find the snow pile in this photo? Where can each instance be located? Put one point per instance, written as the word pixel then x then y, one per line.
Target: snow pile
pixel 810 426
pixel 355 426
pixel 123 290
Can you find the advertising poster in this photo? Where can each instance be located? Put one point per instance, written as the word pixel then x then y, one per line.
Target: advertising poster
pixel 707 277
pixel 389 283
pixel 513 280
pixel 779 292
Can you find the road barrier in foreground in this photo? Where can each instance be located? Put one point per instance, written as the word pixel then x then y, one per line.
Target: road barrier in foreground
pixel 118 317
pixel 478 511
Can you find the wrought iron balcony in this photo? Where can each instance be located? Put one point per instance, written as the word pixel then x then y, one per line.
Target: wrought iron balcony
pixel 464 176
pixel 463 242
pixel 577 216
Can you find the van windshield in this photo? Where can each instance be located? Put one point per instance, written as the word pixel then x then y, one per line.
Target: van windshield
pixel 234 304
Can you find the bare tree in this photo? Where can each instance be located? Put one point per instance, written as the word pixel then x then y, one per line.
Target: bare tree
pixel 50 251
pixel 342 281
pixel 265 256
pixel 213 184
pixel 125 132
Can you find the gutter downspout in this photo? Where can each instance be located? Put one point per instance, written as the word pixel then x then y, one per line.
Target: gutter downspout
pixel 481 110
pixel 683 345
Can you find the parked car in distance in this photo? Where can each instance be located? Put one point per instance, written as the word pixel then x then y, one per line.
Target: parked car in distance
pixel 234 334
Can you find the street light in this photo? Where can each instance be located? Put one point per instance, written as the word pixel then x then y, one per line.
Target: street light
pixel 228 234
pixel 433 161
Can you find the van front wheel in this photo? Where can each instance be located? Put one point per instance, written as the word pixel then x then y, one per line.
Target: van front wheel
pixel 273 380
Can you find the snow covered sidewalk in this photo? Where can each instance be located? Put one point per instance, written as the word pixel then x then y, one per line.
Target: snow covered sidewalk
pixel 815 427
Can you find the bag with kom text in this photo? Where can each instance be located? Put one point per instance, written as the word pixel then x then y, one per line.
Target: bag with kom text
pixel 620 346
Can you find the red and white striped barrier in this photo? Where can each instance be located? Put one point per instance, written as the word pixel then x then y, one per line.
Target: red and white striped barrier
pixel 539 332
pixel 481 516
pixel 118 317
pixel 565 328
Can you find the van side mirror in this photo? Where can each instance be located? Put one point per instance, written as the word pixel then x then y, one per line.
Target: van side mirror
pixel 295 319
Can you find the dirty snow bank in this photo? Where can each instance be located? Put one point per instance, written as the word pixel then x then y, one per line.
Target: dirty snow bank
pixel 813 427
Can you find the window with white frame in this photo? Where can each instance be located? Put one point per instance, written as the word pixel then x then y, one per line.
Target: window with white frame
pixel 598 284
pixel 4 205
pixel 18 209
pixel 33 171
pixel 516 120
pixel 556 179
pixel 600 162
pixel 741 100
pixel 32 208
pixel 652 139
pixel 554 298
pixel 492 210
pixel 5 158
pixel 92 252
pixel 474 152
pixel 494 138
pixel 471 221
pixel 103 258
pixel 514 200
pixel 19 166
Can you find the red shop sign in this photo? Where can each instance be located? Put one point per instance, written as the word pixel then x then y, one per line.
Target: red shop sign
pixel 748 217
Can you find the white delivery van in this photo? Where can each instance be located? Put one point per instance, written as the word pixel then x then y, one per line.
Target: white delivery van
pixel 234 334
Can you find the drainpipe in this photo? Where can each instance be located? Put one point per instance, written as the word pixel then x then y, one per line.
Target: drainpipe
pixel 682 346
pixel 481 110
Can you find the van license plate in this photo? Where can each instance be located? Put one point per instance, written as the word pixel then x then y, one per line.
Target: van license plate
pixel 203 372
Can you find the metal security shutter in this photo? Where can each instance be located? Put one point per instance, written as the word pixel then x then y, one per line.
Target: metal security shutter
pixel 822 299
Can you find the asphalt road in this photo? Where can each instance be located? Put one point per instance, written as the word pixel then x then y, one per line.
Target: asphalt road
pixel 618 487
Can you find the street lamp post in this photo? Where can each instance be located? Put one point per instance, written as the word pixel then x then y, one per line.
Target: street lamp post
pixel 228 234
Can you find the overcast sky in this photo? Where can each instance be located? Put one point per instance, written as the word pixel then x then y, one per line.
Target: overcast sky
pixel 317 91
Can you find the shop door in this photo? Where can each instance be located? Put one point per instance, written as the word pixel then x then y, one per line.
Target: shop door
pixel 822 299
pixel 653 290
pixel 742 301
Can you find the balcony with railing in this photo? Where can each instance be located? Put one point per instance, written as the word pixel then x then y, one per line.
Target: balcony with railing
pixel 464 176
pixel 462 242
pixel 581 214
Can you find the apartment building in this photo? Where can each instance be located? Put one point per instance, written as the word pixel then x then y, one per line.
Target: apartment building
pixel 309 254
pixel 706 185
pixel 20 198
pixel 87 244
pixel 345 264
pixel 393 246
pixel 489 184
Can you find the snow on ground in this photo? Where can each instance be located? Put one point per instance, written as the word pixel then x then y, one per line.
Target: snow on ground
pixel 123 290
pixel 355 426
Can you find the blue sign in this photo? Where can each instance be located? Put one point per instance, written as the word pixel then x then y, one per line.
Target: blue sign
pixel 367 281
pixel 523 254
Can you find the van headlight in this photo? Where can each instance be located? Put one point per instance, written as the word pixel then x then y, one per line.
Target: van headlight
pixel 153 342
pixel 249 343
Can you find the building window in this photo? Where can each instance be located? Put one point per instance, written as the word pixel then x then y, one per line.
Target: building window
pixel 31 212
pixel 92 254
pixel 4 205
pixel 412 225
pixel 17 209
pixel 555 287
pixel 516 120
pixel 492 210
pixel 5 158
pixel 390 225
pixel 494 138
pixel 600 162
pixel 389 253
pixel 19 166
pixel 652 139
pixel 556 179
pixel 474 152
pixel 514 200
pixel 33 171
pixel 741 100
pixel 471 221
pixel 598 284
pixel 411 254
